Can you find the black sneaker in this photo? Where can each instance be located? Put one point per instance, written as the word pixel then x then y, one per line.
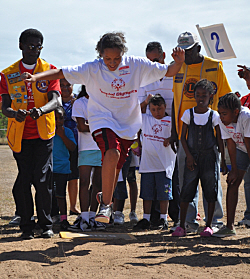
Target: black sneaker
pixel 104 214
pixel 64 225
pixel 163 224
pixel 27 235
pixel 76 225
pixel 143 224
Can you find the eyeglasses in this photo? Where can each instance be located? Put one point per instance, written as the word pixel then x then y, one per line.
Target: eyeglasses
pixel 157 59
pixel 38 48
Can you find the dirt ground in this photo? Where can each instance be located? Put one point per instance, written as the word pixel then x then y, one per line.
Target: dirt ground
pixel 154 254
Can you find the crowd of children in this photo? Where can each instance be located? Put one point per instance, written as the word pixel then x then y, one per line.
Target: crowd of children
pixel 109 119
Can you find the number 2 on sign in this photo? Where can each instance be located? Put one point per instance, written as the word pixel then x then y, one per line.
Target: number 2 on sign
pixel 218 50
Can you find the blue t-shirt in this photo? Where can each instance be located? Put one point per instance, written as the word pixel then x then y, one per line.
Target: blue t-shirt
pixel 68 121
pixel 61 163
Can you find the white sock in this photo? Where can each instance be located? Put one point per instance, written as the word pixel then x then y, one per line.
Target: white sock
pixel 92 214
pixel 164 216
pixel 118 212
pixel 146 216
pixel 85 215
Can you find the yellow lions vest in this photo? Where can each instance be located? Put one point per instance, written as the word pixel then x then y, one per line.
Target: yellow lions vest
pixel 19 98
pixel 184 81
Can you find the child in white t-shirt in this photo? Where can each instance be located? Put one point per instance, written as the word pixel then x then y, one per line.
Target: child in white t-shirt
pixel 235 129
pixel 89 159
pixel 114 115
pixel 157 161
pixel 199 143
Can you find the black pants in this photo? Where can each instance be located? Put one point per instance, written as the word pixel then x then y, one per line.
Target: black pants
pixel 34 164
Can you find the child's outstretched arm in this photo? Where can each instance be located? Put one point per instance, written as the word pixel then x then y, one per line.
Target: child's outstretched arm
pixel 221 150
pixel 47 75
pixel 190 159
pixel 179 57
pixel 233 174
pixel 145 103
pixel 71 146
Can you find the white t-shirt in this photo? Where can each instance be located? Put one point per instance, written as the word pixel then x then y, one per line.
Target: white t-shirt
pixel 85 140
pixel 201 119
pixel 238 131
pixel 155 156
pixel 113 95
pixel 163 87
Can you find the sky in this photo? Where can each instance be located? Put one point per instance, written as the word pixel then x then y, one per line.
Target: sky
pixel 72 28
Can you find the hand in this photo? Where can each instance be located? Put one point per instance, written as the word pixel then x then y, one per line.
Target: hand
pixel 166 142
pixel 60 130
pixel 224 167
pixel 173 141
pixel 190 162
pixel 27 77
pixel 34 113
pixel 21 115
pixel 178 55
pixel 232 177
pixel 148 98
pixel 244 72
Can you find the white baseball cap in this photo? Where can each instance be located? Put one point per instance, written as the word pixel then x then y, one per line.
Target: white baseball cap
pixel 187 40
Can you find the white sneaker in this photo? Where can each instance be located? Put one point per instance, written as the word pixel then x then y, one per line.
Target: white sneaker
pixel 244 221
pixel 133 218
pixel 119 218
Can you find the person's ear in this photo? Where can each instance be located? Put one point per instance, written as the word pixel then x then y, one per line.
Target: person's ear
pixel 198 48
pixel 236 112
pixel 20 46
pixel 164 55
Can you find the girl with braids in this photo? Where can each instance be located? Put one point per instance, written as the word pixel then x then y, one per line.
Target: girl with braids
pixel 235 128
pixel 199 143
pixel 112 82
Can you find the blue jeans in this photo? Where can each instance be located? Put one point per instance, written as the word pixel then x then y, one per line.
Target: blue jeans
pixel 247 193
pixel 193 206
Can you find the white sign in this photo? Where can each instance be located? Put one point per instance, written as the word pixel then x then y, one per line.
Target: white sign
pixel 216 42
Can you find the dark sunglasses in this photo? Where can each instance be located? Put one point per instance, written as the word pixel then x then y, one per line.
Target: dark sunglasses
pixel 158 59
pixel 32 47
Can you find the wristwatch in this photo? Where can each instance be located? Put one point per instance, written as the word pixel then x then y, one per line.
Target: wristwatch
pixel 42 112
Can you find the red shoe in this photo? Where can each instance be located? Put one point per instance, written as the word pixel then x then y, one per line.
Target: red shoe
pixel 179 231
pixel 198 217
pixel 207 232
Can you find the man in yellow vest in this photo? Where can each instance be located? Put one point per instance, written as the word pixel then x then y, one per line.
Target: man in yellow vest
pixel 31 127
pixel 196 67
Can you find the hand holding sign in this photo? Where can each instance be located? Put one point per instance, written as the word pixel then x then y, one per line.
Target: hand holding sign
pixel 216 42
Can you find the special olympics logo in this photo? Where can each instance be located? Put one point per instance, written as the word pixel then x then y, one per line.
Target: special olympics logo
pixel 189 88
pixel 118 83
pixel 157 128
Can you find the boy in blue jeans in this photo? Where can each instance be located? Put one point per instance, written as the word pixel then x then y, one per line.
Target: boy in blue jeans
pixel 157 161
pixel 63 142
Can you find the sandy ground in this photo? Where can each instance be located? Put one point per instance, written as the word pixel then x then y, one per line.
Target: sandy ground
pixel 154 254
